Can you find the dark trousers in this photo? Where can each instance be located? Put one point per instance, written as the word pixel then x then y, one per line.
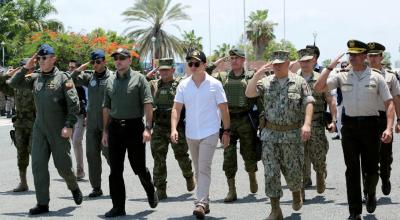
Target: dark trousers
pixel 126 135
pixel 360 140
pixel 386 152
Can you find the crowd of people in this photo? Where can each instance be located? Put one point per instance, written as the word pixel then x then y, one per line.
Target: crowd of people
pixel 279 113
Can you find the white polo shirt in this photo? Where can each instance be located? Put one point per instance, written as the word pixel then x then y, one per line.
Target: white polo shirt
pixel 202 113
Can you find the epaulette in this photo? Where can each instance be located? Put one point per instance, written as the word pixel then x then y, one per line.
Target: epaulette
pixel 376 70
pixel 343 70
pixel 390 71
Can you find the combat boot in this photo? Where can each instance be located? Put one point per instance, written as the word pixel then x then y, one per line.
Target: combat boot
pixel 231 196
pixel 161 194
pixel 190 183
pixel 39 209
pixel 77 195
pixel 321 182
pixel 297 202
pixel 253 182
pixel 23 185
pixel 276 211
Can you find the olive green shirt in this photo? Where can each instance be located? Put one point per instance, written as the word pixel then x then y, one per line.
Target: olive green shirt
pixel 126 96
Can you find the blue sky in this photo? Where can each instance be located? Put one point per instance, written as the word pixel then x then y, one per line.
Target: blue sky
pixel 335 22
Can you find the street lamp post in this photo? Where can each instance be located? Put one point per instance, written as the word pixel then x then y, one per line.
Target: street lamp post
pixel 153 53
pixel 2 48
pixel 315 36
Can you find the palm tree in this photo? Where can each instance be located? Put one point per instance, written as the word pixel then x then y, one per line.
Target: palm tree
pixel 222 50
pixel 154 15
pixel 191 41
pixel 34 12
pixel 260 31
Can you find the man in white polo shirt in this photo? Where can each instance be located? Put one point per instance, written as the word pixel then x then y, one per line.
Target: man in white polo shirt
pixel 205 103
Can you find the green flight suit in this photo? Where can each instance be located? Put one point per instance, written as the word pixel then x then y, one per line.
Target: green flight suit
pixel 57 106
pixel 96 84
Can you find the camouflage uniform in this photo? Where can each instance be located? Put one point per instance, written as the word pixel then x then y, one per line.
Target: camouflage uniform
pixel 164 94
pixel 241 127
pixel 23 121
pixel 282 148
pixel 316 148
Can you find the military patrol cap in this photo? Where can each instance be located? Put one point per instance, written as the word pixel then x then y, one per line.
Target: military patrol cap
pixel 196 54
pixel 316 50
pixel 306 54
pixel 375 48
pixel 23 61
pixel 121 51
pixel 236 52
pixel 356 47
pixel 166 63
pixel 280 56
pixel 45 49
pixel 97 54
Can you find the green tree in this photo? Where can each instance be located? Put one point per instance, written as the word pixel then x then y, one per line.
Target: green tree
pixel 34 12
pixel 222 50
pixel 191 41
pixel 386 60
pixel 260 31
pixel 154 16
pixel 326 62
pixel 282 45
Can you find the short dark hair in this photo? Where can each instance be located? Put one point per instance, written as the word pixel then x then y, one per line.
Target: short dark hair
pixel 77 64
pixel 315 48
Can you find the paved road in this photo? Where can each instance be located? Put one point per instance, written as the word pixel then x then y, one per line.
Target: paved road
pixel 331 205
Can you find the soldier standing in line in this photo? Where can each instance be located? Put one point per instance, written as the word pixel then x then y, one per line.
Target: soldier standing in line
pixel 96 81
pixel 22 122
pixel 363 90
pixel 163 91
pixel 57 106
pixel 242 129
pixel 288 109
pixel 375 57
pixel 316 148
pixel 127 98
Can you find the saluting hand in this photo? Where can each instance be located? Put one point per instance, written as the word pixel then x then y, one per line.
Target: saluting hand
pixel 66 132
pixel 263 69
pixel 31 62
pixel 387 136
pixel 82 67
pixel 336 61
pixel 174 136
pixel 305 132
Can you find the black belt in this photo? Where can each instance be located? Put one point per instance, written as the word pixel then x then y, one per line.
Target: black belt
pixel 360 118
pixel 124 122
pixel 238 114
pixel 382 114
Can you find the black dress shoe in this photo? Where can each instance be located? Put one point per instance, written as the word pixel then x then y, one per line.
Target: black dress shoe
pixel 371 203
pixel 386 187
pixel 96 193
pixel 114 212
pixel 77 195
pixel 354 216
pixel 153 199
pixel 39 209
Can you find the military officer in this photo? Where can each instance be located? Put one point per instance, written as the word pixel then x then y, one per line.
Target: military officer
pixel 163 91
pixel 127 98
pixel 234 83
pixel 22 122
pixel 288 109
pixel 96 81
pixel 363 90
pixel 375 57
pixel 57 106
pixel 316 148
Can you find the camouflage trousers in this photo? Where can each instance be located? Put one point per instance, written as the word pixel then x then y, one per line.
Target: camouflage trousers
pixel 23 143
pixel 240 130
pixel 315 151
pixel 160 141
pixel 285 157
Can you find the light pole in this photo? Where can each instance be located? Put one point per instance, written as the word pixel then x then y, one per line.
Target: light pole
pixel 315 36
pixel 153 54
pixel 2 48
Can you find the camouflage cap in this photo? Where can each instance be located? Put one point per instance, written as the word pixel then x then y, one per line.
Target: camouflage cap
pixel 166 63
pixel 121 51
pixel 306 54
pixel 279 56
pixel 356 47
pixel 236 52
pixel 375 48
pixel 198 55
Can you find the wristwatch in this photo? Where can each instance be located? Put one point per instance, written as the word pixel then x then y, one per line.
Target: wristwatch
pixel 148 127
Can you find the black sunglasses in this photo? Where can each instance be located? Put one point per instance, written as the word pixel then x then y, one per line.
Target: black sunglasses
pixel 120 58
pixel 42 58
pixel 95 61
pixel 195 64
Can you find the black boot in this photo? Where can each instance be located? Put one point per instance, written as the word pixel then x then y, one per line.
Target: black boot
pixel 114 212
pixel 39 209
pixel 147 183
pixel 371 203
pixel 96 193
pixel 77 194
pixel 386 187
pixel 354 216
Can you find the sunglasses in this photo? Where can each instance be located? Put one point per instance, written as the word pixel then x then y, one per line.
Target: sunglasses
pixel 95 61
pixel 195 64
pixel 122 58
pixel 42 58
